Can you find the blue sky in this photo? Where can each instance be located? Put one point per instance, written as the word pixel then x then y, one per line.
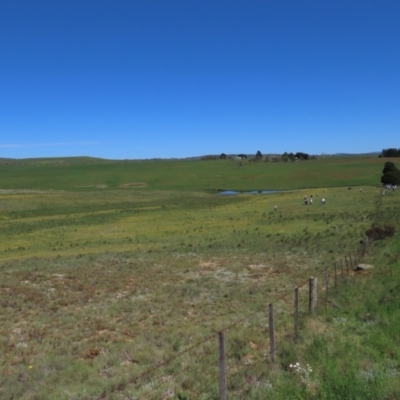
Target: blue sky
pixel 167 78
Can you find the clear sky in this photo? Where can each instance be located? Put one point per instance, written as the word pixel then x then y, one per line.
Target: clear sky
pixel 178 78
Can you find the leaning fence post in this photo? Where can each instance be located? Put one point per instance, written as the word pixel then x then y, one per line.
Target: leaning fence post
pixel 272 333
pixel 313 295
pixel 223 394
pixel 296 313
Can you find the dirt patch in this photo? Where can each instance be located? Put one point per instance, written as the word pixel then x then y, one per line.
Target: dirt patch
pixel 207 264
pixel 134 184
pixel 259 266
pixel 18 191
pixel 102 186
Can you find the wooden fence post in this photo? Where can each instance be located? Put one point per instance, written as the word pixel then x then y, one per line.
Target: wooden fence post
pixel 223 391
pixel 296 313
pixel 366 244
pixel 335 265
pixel 326 284
pixel 313 295
pixel 272 333
pixel 347 265
pixel 341 269
pixel 365 247
pixel 351 261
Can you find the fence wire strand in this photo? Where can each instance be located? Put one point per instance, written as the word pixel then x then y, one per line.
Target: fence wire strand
pixel 342 267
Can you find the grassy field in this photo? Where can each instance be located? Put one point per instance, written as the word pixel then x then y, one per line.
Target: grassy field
pixel 82 174
pixel 109 268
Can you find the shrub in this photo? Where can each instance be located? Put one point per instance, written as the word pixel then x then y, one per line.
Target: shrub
pixel 376 232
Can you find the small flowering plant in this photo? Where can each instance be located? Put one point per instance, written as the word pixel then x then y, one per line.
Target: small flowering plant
pixel 302 372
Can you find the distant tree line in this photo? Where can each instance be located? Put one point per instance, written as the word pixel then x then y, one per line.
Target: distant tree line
pixel 390 153
pixel 293 157
pixel 299 156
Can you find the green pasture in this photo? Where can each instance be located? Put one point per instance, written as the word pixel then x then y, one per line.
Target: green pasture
pixel 108 268
pixel 75 174
pixel 57 223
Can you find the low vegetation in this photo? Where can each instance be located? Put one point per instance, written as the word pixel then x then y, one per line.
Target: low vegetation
pixel 352 348
pixel 100 284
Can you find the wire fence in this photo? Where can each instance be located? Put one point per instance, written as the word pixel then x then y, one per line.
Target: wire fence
pixel 236 360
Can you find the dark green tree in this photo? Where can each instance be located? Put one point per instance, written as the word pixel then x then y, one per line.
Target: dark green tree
pixel 302 156
pixel 391 175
